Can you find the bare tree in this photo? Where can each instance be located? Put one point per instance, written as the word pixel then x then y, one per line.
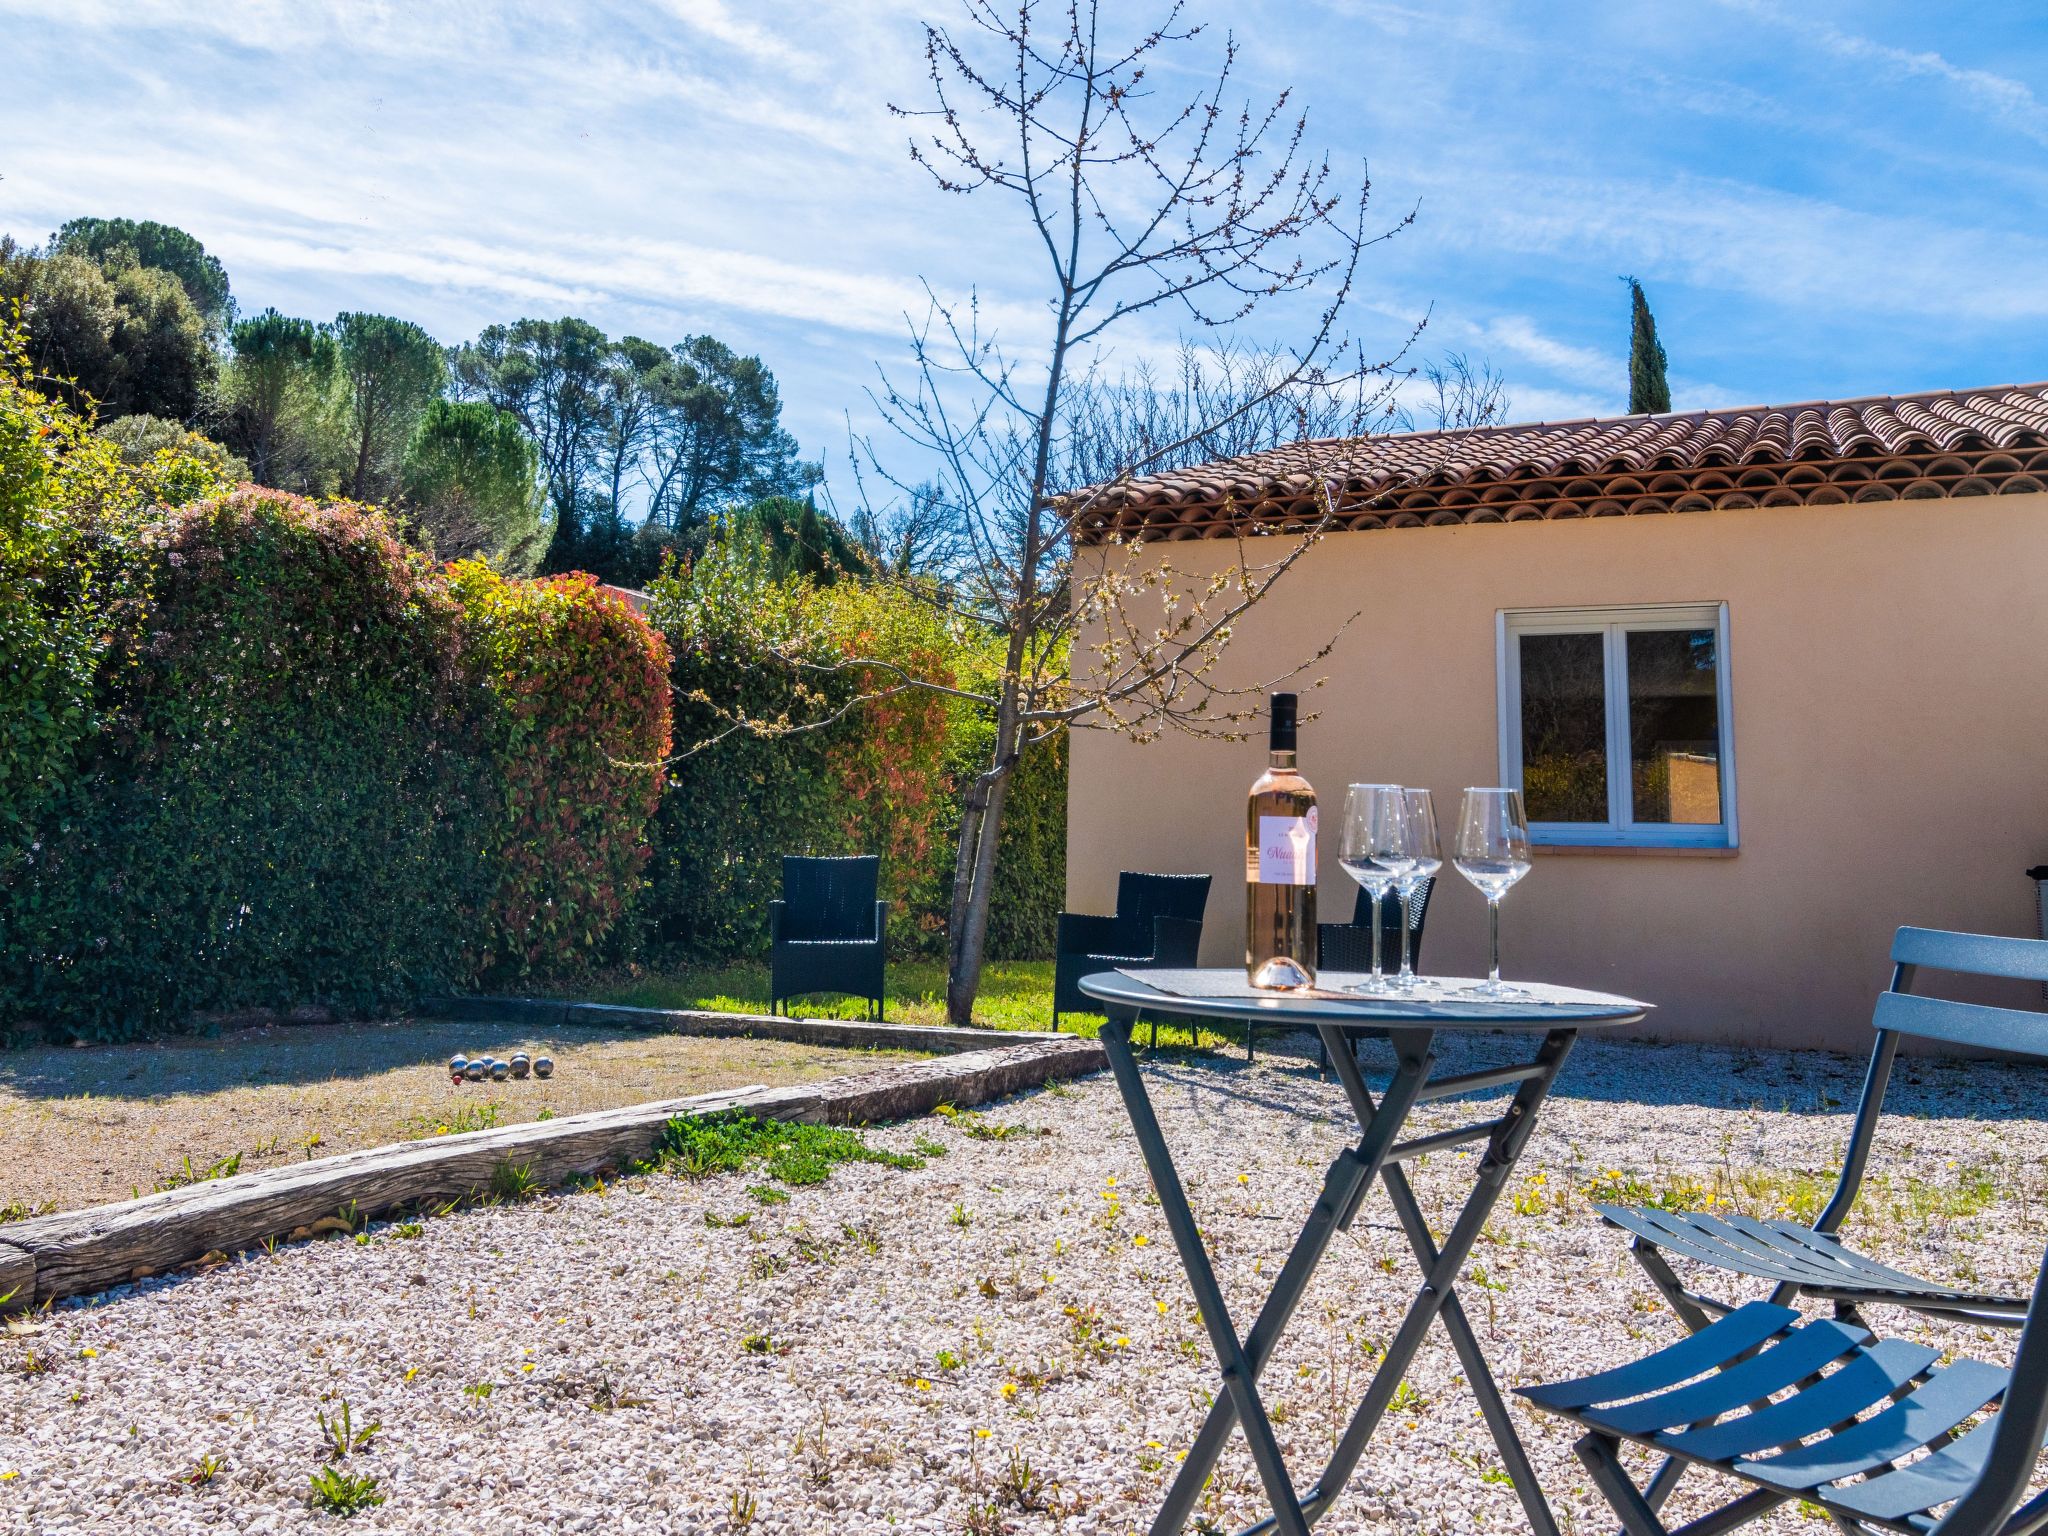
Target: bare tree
pixel 1460 393
pixel 1201 212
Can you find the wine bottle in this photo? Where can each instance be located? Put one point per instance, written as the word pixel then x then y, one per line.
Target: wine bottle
pixel 1280 865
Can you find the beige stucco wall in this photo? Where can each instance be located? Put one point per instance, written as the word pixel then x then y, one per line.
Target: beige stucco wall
pixel 1889 672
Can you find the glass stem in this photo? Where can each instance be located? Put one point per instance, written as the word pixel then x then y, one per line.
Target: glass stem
pixel 1378 974
pixel 1407 918
pixel 1493 941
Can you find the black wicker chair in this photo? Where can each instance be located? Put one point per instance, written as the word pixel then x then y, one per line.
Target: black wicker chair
pixel 825 935
pixel 1158 921
pixel 1348 946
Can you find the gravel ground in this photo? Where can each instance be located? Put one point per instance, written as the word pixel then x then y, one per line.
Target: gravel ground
pixel 82 1125
pixel 885 1350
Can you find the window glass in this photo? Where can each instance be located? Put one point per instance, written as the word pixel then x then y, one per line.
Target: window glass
pixel 1564 727
pixel 1674 726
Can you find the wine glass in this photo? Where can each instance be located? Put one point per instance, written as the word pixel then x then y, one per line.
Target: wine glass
pixel 1492 852
pixel 1424 859
pixel 1374 841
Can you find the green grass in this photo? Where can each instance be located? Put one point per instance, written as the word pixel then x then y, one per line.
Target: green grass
pixel 1015 994
pixel 697 1146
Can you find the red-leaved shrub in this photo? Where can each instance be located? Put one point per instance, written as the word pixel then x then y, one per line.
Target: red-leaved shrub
pixel 573 693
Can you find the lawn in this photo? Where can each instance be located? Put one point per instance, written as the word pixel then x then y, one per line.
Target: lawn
pixel 1015 994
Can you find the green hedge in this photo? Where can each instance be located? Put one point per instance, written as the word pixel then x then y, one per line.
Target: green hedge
pixel 277 806
pixel 750 786
pixel 256 752
pixel 573 691
pixel 885 777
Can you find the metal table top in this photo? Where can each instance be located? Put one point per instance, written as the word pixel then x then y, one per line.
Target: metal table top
pixel 1222 993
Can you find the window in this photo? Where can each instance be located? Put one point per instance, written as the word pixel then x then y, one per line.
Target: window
pixel 1616 723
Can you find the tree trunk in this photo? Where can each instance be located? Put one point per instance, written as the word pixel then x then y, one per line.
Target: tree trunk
pixel 974 867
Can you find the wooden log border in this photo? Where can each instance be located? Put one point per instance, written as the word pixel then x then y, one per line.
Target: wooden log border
pixel 76 1253
pixel 555 1013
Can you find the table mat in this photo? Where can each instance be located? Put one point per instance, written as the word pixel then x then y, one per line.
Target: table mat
pixel 1227 984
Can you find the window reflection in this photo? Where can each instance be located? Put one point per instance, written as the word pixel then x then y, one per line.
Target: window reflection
pixel 1674 725
pixel 1564 727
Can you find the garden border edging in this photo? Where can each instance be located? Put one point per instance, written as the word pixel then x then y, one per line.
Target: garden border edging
pixel 73 1253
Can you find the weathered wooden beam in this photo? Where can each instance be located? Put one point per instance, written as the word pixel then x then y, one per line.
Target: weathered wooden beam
pixel 77 1252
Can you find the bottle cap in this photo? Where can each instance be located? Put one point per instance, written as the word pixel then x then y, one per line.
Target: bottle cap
pixel 1282 739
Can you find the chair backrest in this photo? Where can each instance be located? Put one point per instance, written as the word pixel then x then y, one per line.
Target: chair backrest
pixel 1901 1012
pixel 830 898
pixel 1142 897
pixel 1977 1025
pixel 1390 911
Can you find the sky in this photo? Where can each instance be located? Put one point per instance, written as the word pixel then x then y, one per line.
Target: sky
pixel 1823 200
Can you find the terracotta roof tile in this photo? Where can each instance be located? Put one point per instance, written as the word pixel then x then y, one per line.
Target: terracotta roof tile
pixel 1944 443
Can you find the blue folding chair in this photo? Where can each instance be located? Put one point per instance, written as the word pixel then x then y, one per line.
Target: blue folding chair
pixel 1876 1433
pixel 1802 1260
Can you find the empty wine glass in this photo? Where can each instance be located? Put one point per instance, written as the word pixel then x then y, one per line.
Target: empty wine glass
pixel 1424 859
pixel 1375 833
pixel 1492 852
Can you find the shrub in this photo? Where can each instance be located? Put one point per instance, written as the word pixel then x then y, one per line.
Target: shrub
pixel 67 497
pixel 784 761
pixel 737 799
pixel 272 807
pixel 572 689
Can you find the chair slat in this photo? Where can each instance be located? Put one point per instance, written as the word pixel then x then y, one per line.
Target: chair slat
pixel 1935 1407
pixel 1733 1335
pixel 1743 1234
pixel 1935 1479
pixel 1789 1361
pixel 1978 954
pixel 1971 1024
pixel 1680 1236
pixel 1851 1265
pixel 1862 1382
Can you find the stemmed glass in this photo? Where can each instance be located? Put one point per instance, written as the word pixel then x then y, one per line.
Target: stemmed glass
pixel 1424 859
pixel 1493 853
pixel 1373 846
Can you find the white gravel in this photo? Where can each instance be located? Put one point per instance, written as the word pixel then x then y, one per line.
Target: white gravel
pixel 1038 1265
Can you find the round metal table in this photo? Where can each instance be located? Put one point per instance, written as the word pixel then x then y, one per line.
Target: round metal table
pixel 1411 1024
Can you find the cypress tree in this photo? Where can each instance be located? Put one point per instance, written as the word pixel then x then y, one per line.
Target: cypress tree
pixel 1648 389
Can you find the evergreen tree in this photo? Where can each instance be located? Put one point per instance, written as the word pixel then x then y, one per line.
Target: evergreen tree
pixel 1648 389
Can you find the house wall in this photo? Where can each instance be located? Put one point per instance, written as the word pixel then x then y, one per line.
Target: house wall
pixel 1889 676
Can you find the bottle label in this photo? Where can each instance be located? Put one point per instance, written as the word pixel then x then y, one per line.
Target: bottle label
pixel 1287 849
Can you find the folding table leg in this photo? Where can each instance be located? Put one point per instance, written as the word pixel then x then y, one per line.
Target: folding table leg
pixel 1240 1381
pixel 1348 1175
pixel 1510 1136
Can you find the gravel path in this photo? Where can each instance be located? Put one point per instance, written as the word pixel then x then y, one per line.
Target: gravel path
pixel 886 1350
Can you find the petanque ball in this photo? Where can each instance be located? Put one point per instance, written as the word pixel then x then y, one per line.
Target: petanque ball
pixel 543 1066
pixel 474 1071
pixel 500 1070
pixel 521 1063
pixel 457 1063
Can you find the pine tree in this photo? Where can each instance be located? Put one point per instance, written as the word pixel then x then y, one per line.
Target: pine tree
pixel 1648 389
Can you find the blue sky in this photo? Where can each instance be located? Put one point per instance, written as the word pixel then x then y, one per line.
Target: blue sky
pixel 1823 199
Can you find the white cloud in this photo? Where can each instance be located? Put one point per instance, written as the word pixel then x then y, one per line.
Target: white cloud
pixel 1999 96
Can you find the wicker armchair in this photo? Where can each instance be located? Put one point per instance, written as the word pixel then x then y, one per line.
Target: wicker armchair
pixel 825 935
pixel 1348 946
pixel 1158 921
